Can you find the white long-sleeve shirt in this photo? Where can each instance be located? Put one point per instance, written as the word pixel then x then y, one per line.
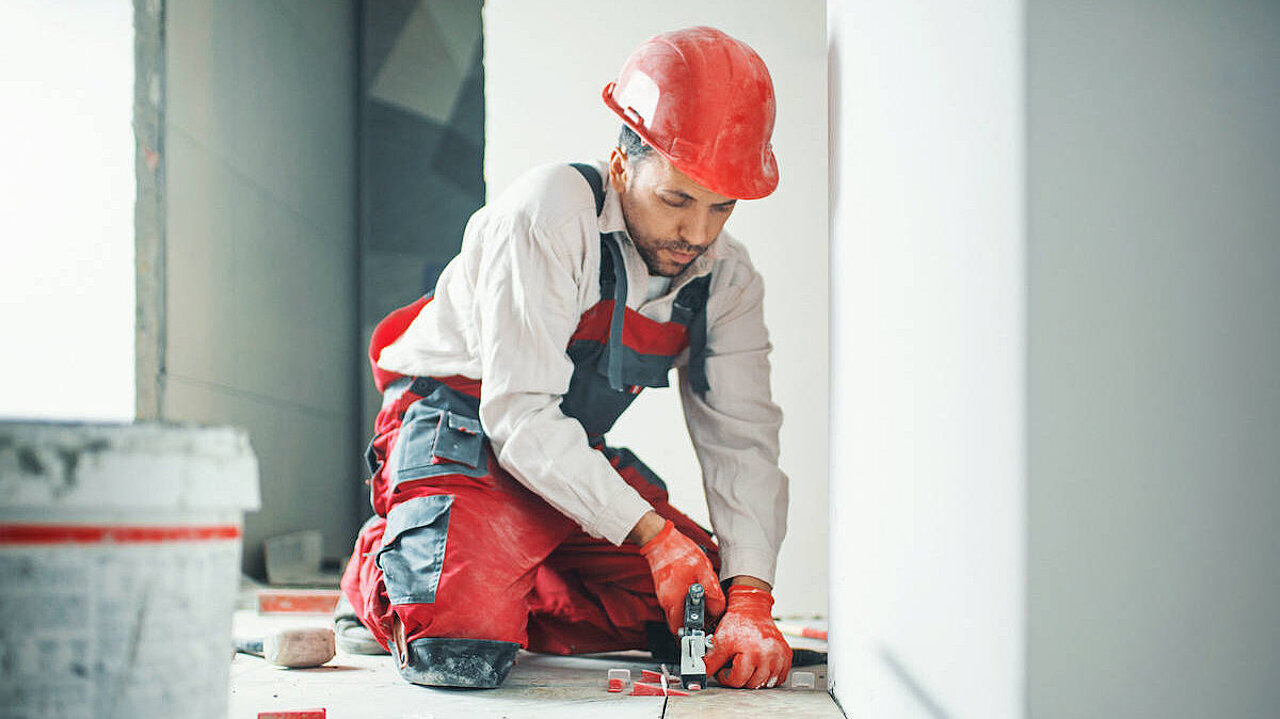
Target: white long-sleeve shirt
pixel 503 312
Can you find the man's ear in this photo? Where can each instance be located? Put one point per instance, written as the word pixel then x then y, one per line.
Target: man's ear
pixel 618 170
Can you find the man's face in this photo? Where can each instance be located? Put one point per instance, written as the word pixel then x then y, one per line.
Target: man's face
pixel 671 219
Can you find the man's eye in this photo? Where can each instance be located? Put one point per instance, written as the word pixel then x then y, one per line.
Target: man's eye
pixel 674 203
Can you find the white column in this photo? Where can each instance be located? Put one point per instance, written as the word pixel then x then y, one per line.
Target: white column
pixel 928 350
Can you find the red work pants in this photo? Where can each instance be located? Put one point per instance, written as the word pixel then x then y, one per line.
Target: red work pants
pixel 475 554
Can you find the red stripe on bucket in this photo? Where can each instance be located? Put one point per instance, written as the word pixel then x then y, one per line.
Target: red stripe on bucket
pixel 112 533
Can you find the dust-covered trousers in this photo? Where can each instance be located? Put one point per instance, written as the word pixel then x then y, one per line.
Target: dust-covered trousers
pixel 469 560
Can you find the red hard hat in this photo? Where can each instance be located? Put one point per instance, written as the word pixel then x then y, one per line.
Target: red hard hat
pixel 705 102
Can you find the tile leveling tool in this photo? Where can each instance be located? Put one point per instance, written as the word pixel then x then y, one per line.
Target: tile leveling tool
pixel 694 641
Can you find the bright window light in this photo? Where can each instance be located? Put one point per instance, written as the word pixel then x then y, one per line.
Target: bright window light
pixel 66 209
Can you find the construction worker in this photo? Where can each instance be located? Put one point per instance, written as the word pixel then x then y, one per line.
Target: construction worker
pixel 503 519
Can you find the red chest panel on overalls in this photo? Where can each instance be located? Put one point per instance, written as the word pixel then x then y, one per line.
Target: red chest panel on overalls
pixel 617 351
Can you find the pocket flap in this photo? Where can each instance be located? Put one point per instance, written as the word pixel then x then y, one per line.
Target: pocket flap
pixel 458 439
pixel 462 423
pixel 413 514
pixel 434 441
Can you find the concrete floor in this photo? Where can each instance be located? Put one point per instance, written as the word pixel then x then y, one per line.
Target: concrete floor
pixel 368 687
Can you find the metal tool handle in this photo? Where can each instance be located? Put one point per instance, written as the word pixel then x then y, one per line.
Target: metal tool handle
pixel 695 609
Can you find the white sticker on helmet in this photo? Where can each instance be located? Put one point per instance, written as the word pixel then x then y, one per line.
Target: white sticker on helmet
pixel 640 94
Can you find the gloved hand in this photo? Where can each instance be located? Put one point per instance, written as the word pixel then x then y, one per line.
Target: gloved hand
pixel 676 562
pixel 748 637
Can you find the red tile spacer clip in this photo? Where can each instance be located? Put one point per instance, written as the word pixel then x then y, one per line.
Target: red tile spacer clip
pixel 619 679
pixel 644 689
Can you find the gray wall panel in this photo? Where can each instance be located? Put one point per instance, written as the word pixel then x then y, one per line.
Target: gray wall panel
pixel 261 239
pixel 1154 395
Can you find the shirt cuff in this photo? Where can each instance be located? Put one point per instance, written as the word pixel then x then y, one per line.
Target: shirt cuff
pixel 620 516
pixel 758 562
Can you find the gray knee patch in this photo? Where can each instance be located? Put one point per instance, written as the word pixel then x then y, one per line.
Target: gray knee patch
pixel 449 662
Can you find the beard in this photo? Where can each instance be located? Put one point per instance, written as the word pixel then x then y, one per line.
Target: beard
pixel 669 268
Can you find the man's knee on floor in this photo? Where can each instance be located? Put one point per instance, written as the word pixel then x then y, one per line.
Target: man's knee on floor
pixel 452 662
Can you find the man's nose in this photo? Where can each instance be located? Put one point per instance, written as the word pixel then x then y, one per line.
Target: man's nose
pixel 696 229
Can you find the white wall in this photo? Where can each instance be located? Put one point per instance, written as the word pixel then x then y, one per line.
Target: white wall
pixel 928 348
pixel 545 65
pixel 66 209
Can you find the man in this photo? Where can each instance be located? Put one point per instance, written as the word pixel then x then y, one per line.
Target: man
pixel 502 517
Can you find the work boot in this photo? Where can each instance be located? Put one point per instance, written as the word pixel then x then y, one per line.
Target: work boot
pixel 351 636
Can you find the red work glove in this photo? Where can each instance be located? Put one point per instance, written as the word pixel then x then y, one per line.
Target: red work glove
pixel 676 562
pixel 748 637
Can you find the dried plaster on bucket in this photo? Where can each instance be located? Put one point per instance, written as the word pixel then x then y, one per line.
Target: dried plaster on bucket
pixel 119 560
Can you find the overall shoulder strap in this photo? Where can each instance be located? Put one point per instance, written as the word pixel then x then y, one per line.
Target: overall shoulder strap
pixel 690 310
pixel 613 279
pixel 592 176
pixel 612 273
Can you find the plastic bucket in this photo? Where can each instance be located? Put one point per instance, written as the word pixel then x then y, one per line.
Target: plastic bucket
pixel 119 567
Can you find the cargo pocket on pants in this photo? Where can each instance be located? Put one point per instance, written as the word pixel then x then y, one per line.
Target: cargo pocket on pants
pixel 435 441
pixel 412 553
